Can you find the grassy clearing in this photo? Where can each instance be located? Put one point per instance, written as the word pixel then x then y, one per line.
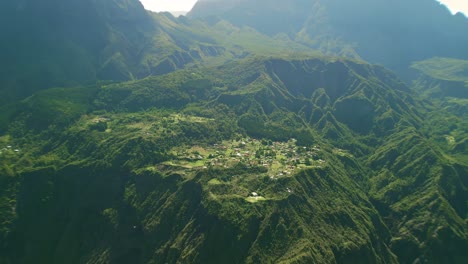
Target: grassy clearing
pixel 342 153
pixel 450 140
pixel 255 199
pixel 214 182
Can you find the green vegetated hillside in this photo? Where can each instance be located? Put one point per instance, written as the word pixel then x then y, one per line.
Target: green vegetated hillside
pixel 444 80
pixel 199 166
pixel 229 139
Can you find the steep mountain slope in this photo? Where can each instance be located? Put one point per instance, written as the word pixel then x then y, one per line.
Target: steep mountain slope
pixel 52 43
pixel 390 33
pixel 415 182
pixel 147 217
pixel 140 177
pixel 310 88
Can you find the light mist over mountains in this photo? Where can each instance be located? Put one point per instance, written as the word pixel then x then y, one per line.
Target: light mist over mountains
pixel 300 131
pixel 393 34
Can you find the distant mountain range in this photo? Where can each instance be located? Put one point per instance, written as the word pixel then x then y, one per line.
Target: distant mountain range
pixel 392 33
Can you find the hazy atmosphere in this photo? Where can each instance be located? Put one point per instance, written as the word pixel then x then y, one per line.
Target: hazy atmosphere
pixel 185 5
pixel 168 5
pixel 247 131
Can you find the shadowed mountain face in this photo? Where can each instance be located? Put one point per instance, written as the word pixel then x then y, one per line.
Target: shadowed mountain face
pixel 265 16
pixel 392 33
pixel 64 43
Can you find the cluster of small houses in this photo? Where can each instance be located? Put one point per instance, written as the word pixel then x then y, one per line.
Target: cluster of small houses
pixel 286 157
pixel 8 148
